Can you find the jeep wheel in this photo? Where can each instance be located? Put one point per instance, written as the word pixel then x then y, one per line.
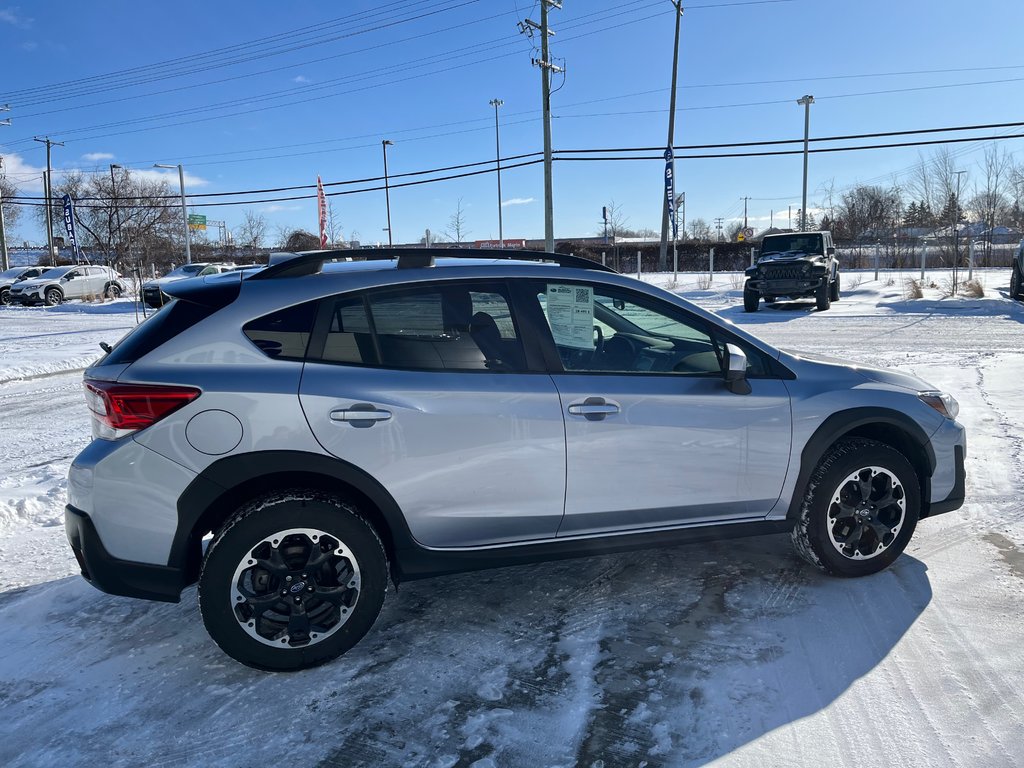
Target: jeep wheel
pixel 823 296
pixel 1015 283
pixel 750 300
pixel 833 291
pixel 5 296
pixel 53 297
pixel 859 510
pixel 113 291
pixel 293 580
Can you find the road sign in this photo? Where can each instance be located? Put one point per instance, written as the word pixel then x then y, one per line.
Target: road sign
pixel 740 237
pixel 748 232
pixel 196 221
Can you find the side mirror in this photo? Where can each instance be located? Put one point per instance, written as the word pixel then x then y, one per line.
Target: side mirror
pixel 831 250
pixel 736 370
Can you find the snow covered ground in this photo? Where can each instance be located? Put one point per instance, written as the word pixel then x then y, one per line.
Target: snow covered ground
pixel 732 652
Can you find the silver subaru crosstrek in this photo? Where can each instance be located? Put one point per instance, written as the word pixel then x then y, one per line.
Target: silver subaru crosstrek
pixel 398 414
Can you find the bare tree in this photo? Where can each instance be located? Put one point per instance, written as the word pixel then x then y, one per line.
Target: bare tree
pixel 617 220
pixel 700 230
pixel 990 204
pixel 334 233
pixel 252 231
pixel 11 212
pixel 457 224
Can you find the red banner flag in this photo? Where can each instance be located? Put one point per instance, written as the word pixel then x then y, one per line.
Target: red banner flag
pixel 322 205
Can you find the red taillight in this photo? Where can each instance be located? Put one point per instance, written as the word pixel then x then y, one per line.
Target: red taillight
pixel 129 407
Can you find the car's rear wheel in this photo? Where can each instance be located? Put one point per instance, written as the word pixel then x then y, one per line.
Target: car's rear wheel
pixel 292 581
pixel 750 299
pixel 113 291
pixel 860 509
pixel 53 297
pixel 1016 283
pixel 834 289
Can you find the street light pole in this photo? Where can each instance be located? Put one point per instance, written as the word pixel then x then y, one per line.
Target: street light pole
pixel 497 159
pixel 956 228
pixel 387 192
pixel 184 209
pixel 806 102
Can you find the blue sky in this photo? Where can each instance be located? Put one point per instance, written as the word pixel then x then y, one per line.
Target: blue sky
pixel 421 73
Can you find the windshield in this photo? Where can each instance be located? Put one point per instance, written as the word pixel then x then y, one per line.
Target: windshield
pixel 185 270
pixel 804 243
pixel 10 274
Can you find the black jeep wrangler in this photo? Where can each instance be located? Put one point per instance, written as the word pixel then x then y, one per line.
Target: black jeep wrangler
pixel 793 266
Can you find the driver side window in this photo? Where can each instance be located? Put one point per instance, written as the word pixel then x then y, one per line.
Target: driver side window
pixel 597 329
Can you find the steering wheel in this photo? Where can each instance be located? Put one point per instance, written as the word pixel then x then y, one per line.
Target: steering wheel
pixel 599 343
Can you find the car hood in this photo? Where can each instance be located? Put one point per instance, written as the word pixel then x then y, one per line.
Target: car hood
pixel 871 373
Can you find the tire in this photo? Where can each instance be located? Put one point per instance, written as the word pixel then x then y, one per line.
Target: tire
pixel 831 514
pixel 5 297
pixel 53 297
pixel 1016 287
pixel 823 296
pixel 750 300
pixel 112 291
pixel 255 614
pixel 833 291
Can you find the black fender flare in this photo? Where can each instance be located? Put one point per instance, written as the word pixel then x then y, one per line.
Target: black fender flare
pixel 215 492
pixel 843 423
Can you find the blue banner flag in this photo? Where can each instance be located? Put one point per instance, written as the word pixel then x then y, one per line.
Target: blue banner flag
pixel 670 190
pixel 69 224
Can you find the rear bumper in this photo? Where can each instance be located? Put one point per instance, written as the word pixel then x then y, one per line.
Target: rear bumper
pixel 115 576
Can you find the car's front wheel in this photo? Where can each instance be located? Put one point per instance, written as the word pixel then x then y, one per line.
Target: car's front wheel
pixel 53 297
pixel 860 509
pixel 823 295
pixel 751 298
pixel 834 289
pixel 5 296
pixel 293 580
pixel 1016 281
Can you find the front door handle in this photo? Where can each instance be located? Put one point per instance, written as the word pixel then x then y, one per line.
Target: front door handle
pixel 594 408
pixel 360 415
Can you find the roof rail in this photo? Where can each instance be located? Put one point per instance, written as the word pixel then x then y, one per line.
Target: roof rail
pixel 312 262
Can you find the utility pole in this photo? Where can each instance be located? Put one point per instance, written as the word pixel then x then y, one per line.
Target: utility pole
pixel 497 159
pixel 184 208
pixel 528 27
pixel 47 191
pixel 806 102
pixel 956 228
pixel 718 227
pixel 745 212
pixel 663 251
pixel 384 144
pixel 5 263
pixel 117 211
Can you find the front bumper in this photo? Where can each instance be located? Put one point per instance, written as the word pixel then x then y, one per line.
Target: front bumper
pixel 955 499
pixel 784 287
pixel 25 299
pixel 115 576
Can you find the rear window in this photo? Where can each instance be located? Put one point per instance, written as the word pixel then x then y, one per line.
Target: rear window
pixel 172 319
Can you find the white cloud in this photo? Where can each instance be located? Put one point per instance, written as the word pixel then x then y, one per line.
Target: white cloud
pixel 12 15
pixel 300 79
pixel 170 176
pixel 95 157
pixel 275 208
pixel 27 177
pixel 517 201
pixel 29 45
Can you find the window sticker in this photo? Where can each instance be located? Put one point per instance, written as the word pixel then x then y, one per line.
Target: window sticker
pixel 571 315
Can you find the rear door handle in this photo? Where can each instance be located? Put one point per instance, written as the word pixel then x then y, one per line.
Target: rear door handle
pixel 594 408
pixel 360 415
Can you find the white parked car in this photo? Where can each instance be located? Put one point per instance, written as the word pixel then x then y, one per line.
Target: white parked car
pixel 74 282
pixel 11 276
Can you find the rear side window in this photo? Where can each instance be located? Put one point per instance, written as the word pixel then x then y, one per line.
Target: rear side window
pixel 172 319
pixel 283 334
pixel 454 327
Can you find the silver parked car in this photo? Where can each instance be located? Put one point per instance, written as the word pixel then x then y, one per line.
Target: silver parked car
pixel 74 282
pixel 13 275
pixel 412 414
pixel 153 291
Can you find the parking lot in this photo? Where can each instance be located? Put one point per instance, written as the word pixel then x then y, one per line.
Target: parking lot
pixel 731 651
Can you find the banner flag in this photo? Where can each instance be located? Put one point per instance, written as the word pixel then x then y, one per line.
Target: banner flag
pixel 69 225
pixel 322 206
pixel 670 191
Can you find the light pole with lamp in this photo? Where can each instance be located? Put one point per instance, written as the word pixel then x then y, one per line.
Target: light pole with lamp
pixel 805 102
pixel 117 208
pixel 385 143
pixel 184 209
pixel 497 159
pixel 956 228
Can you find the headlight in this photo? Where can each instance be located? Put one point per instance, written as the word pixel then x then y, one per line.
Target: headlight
pixel 942 402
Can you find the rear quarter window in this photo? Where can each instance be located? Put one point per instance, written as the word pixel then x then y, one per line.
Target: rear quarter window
pixel 283 335
pixel 161 327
